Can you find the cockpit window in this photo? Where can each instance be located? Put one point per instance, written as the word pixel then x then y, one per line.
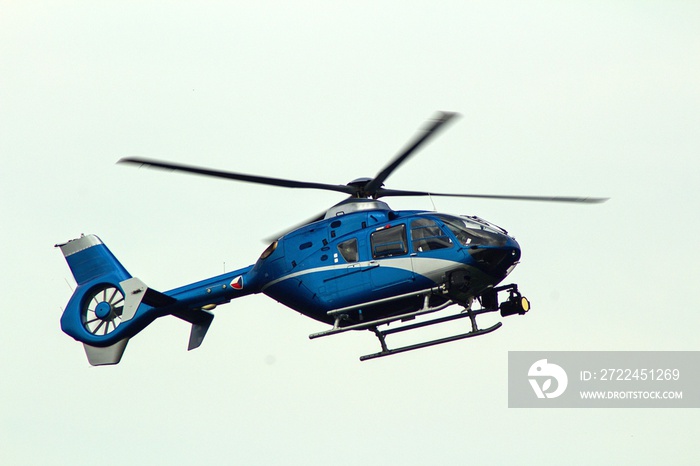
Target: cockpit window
pixel 470 232
pixel 389 242
pixel 426 235
pixel 348 249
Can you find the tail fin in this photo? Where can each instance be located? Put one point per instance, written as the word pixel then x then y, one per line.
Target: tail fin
pixel 110 306
pixel 96 309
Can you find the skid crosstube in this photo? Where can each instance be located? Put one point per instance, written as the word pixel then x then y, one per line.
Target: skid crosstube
pixel 339 313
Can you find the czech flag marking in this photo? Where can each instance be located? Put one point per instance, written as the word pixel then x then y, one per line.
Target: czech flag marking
pixel 237 283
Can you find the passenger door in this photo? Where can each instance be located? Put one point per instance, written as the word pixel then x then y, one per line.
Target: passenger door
pixel 391 264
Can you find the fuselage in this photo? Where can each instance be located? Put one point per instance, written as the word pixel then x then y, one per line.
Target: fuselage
pixel 366 252
pixel 363 252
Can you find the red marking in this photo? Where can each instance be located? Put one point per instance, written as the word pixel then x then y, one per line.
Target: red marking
pixel 237 283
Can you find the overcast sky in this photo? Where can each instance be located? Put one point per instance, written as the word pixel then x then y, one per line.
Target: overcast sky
pixel 557 98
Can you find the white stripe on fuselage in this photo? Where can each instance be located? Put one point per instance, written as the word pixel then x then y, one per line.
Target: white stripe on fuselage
pixel 428 267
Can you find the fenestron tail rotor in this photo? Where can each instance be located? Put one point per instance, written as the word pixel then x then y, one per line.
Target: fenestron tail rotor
pixel 102 312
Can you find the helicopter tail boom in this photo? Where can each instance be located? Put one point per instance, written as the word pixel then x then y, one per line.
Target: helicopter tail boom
pixel 110 306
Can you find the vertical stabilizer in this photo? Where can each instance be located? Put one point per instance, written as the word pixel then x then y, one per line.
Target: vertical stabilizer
pixel 105 356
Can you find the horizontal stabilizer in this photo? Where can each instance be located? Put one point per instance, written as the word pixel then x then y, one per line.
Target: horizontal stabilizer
pixel 137 292
pixel 157 299
pixel 105 356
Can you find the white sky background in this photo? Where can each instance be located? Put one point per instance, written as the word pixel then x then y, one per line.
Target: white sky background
pixel 557 98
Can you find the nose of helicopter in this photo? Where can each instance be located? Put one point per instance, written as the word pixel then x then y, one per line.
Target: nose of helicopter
pixel 499 260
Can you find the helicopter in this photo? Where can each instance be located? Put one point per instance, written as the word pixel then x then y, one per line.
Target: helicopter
pixel 358 266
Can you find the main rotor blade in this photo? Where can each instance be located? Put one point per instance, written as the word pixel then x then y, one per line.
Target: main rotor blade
pixel 279 234
pixel 585 200
pixel 238 176
pixel 431 129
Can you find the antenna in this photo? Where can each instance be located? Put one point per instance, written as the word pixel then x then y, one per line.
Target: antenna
pixel 69 285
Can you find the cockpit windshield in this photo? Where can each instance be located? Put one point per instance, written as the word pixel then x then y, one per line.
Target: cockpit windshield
pixel 474 231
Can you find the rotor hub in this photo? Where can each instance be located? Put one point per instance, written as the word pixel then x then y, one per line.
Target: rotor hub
pixel 103 310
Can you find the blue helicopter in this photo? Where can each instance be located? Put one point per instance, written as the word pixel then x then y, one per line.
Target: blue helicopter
pixel 358 266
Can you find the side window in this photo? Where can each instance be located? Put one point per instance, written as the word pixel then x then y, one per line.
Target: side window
pixel 389 242
pixel 348 249
pixel 426 235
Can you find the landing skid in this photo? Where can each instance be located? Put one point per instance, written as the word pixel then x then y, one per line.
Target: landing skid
pixel 468 312
pixel 341 315
pixel 388 352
